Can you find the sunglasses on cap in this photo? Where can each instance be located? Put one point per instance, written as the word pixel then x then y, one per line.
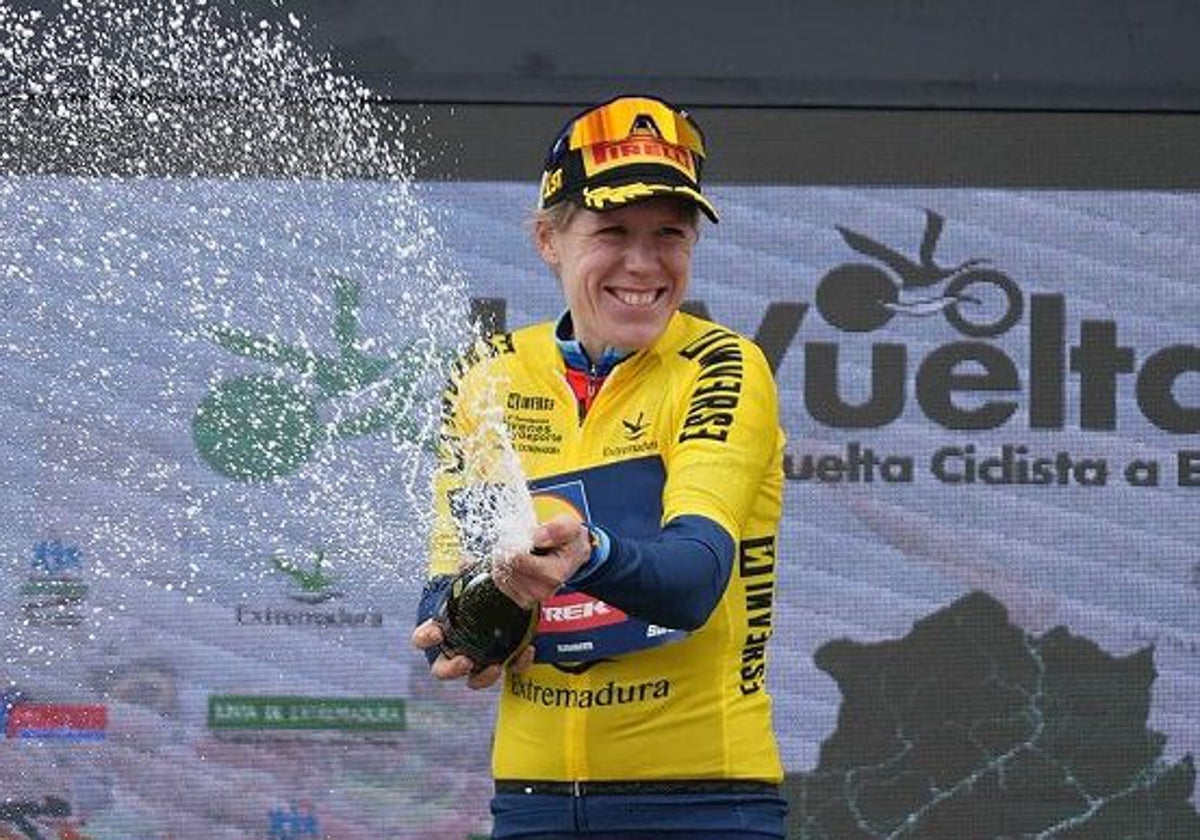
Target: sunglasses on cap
pixel 623 117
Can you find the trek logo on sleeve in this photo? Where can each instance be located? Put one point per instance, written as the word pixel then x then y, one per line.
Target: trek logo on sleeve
pixel 577 611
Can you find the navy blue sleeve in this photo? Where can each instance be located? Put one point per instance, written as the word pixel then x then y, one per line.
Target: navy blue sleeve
pixel 436 590
pixel 674 580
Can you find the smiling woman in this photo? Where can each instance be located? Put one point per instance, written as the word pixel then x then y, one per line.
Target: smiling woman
pixel 641 700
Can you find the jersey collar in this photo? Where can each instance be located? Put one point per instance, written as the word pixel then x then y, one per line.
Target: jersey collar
pixel 576 357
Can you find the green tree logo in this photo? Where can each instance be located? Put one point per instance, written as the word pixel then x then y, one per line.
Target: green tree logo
pixel 315 586
pixel 264 426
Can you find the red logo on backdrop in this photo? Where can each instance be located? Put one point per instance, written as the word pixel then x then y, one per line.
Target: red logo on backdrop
pixel 61 721
pixel 574 611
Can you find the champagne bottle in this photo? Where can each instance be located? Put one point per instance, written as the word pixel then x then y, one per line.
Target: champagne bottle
pixel 481 622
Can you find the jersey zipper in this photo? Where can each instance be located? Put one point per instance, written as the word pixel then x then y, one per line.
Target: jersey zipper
pixel 592 380
pixel 592 386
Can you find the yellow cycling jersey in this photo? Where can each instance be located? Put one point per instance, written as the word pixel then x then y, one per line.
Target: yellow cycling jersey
pixel 688 426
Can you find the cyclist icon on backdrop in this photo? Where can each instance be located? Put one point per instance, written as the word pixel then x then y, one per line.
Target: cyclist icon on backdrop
pixel 860 297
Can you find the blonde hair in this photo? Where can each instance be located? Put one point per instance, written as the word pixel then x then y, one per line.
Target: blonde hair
pixel 557 216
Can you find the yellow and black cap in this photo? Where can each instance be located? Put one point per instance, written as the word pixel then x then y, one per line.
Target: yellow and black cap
pixel 625 150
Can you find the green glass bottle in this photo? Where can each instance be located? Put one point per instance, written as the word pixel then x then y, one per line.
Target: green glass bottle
pixel 481 622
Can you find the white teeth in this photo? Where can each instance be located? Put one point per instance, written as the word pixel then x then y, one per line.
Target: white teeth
pixel 635 298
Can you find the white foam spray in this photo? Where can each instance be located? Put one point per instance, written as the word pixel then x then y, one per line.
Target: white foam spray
pixel 225 319
pixel 499 518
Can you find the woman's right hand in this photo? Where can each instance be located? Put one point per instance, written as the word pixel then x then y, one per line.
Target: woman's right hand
pixel 428 634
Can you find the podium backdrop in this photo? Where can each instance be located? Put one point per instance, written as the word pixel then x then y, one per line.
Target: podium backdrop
pixel 212 476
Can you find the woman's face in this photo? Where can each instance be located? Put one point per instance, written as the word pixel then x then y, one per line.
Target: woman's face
pixel 624 271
